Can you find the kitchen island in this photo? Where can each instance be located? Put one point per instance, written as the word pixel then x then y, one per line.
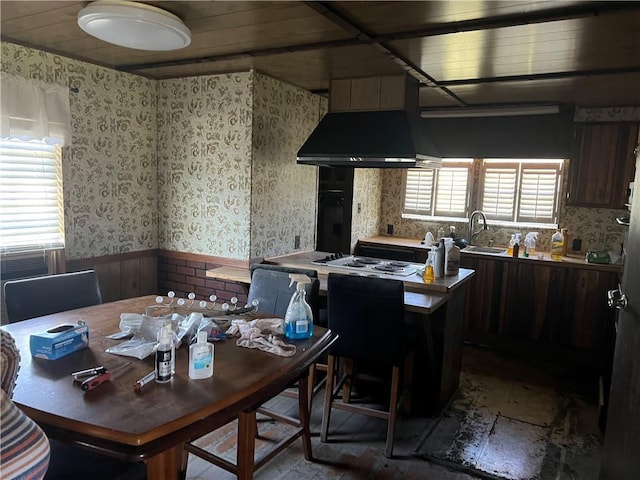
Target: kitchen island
pixel 438 356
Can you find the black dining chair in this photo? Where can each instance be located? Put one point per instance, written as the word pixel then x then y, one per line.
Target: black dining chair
pixel 367 314
pixel 270 287
pixel 37 296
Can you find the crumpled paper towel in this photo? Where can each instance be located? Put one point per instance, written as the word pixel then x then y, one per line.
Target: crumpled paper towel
pixel 261 333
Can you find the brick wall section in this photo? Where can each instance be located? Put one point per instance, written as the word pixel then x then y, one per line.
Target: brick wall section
pixel 186 276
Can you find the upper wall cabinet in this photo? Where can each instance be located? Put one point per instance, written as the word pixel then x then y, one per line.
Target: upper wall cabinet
pixel 602 164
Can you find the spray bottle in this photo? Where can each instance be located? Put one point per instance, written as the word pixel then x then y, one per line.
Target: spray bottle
pixel 164 355
pixel 298 320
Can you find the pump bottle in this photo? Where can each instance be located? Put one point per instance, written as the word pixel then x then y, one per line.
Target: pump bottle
pixel 298 319
pixel 201 357
pixel 164 357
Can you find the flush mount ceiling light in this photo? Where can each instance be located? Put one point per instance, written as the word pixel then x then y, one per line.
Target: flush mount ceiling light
pixel 134 25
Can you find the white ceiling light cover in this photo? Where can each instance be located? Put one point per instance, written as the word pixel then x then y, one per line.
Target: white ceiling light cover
pixel 134 25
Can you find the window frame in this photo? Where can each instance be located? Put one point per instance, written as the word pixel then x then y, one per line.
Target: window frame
pixel 433 213
pixel 46 202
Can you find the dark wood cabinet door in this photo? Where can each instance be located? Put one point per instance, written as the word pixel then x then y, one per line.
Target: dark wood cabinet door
pixel 602 164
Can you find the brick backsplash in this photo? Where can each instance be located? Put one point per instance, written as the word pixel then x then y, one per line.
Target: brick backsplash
pixel 186 276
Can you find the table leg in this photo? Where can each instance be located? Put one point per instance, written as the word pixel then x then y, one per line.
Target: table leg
pixel 246 445
pixel 165 465
pixel 305 393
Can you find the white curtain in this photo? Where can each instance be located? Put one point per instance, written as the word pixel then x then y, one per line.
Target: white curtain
pixel 34 109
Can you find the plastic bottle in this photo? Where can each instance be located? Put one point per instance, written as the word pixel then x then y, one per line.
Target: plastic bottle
pixel 452 231
pixel 440 233
pixel 298 319
pixel 201 357
pixel 511 243
pixel 453 261
pixel 565 241
pixel 516 246
pixel 429 276
pixel 557 245
pixel 530 240
pixel 164 357
pixel 439 259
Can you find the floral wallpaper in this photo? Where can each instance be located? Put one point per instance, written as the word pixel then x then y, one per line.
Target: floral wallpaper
pixel 283 196
pixel 204 164
pixel 367 197
pixel 109 170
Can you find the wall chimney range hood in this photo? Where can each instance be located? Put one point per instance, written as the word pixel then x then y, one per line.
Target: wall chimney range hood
pixel 372 139
pixel 373 123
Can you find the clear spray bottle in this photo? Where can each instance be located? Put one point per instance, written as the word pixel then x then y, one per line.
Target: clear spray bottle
pixel 298 319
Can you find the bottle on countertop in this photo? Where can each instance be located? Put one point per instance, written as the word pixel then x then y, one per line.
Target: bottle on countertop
pixel 201 357
pixel 452 231
pixel 164 357
pixel 530 240
pixel 557 245
pixel 511 243
pixel 429 276
pixel 439 259
pixel 298 319
pixel 516 246
pixel 440 233
pixel 453 260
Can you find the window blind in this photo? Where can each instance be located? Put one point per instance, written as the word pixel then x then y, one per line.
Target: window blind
pixel 452 188
pixel 418 191
pixel 31 209
pixel 524 191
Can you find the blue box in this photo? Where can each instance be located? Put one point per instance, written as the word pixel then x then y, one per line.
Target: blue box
pixel 59 341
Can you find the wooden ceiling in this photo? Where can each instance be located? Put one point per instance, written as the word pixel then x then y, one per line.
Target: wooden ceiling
pixel 464 53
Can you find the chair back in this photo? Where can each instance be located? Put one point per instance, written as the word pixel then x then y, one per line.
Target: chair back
pixel 270 286
pixel 367 313
pixel 34 297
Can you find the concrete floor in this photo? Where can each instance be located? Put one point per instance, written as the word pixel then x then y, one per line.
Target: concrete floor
pixel 511 419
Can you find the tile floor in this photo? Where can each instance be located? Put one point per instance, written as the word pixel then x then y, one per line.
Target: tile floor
pixel 511 419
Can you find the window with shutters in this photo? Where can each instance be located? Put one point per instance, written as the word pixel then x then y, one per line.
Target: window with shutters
pixel 509 191
pixel 521 191
pixel 441 192
pixel 31 210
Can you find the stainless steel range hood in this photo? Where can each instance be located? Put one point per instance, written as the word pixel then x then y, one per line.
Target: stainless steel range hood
pixel 372 139
pixel 373 123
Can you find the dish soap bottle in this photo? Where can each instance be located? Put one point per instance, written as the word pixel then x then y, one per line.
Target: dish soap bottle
pixel 557 245
pixel 201 357
pixel 298 319
pixel 429 276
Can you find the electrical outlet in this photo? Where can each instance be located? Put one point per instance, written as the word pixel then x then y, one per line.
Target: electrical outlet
pixel 576 245
pixel 296 241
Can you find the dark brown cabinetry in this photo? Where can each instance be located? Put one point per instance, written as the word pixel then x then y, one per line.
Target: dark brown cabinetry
pixel 539 303
pixel 602 164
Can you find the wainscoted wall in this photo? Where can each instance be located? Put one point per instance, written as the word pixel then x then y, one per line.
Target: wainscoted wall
pixel 109 171
pixel 367 198
pixel 204 164
pixel 283 194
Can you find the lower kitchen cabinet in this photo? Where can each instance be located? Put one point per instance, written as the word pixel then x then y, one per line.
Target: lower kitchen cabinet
pixel 555 305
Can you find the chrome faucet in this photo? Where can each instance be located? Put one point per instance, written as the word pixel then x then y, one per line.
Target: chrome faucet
pixel 472 234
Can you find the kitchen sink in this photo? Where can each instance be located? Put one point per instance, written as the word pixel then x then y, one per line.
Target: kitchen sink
pixel 480 249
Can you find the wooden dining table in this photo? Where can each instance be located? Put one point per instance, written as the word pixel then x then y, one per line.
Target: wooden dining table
pixel 153 424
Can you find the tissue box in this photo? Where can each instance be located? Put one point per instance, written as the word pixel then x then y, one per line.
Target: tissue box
pixel 59 341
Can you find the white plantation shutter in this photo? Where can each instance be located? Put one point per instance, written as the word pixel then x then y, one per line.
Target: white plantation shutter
pixel 538 190
pixel 30 196
pixel 499 192
pixel 451 191
pixel 524 191
pixel 418 191
pixel 438 192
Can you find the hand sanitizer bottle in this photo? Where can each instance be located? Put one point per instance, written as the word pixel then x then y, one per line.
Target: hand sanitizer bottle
pixel 298 319
pixel 201 357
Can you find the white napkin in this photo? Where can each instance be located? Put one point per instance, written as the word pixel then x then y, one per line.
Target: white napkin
pixel 261 333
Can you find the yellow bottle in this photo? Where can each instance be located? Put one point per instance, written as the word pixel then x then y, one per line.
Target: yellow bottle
pixel 429 276
pixel 557 245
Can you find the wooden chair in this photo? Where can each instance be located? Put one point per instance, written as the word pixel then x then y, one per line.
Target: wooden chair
pixel 368 315
pixel 270 286
pixel 37 296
